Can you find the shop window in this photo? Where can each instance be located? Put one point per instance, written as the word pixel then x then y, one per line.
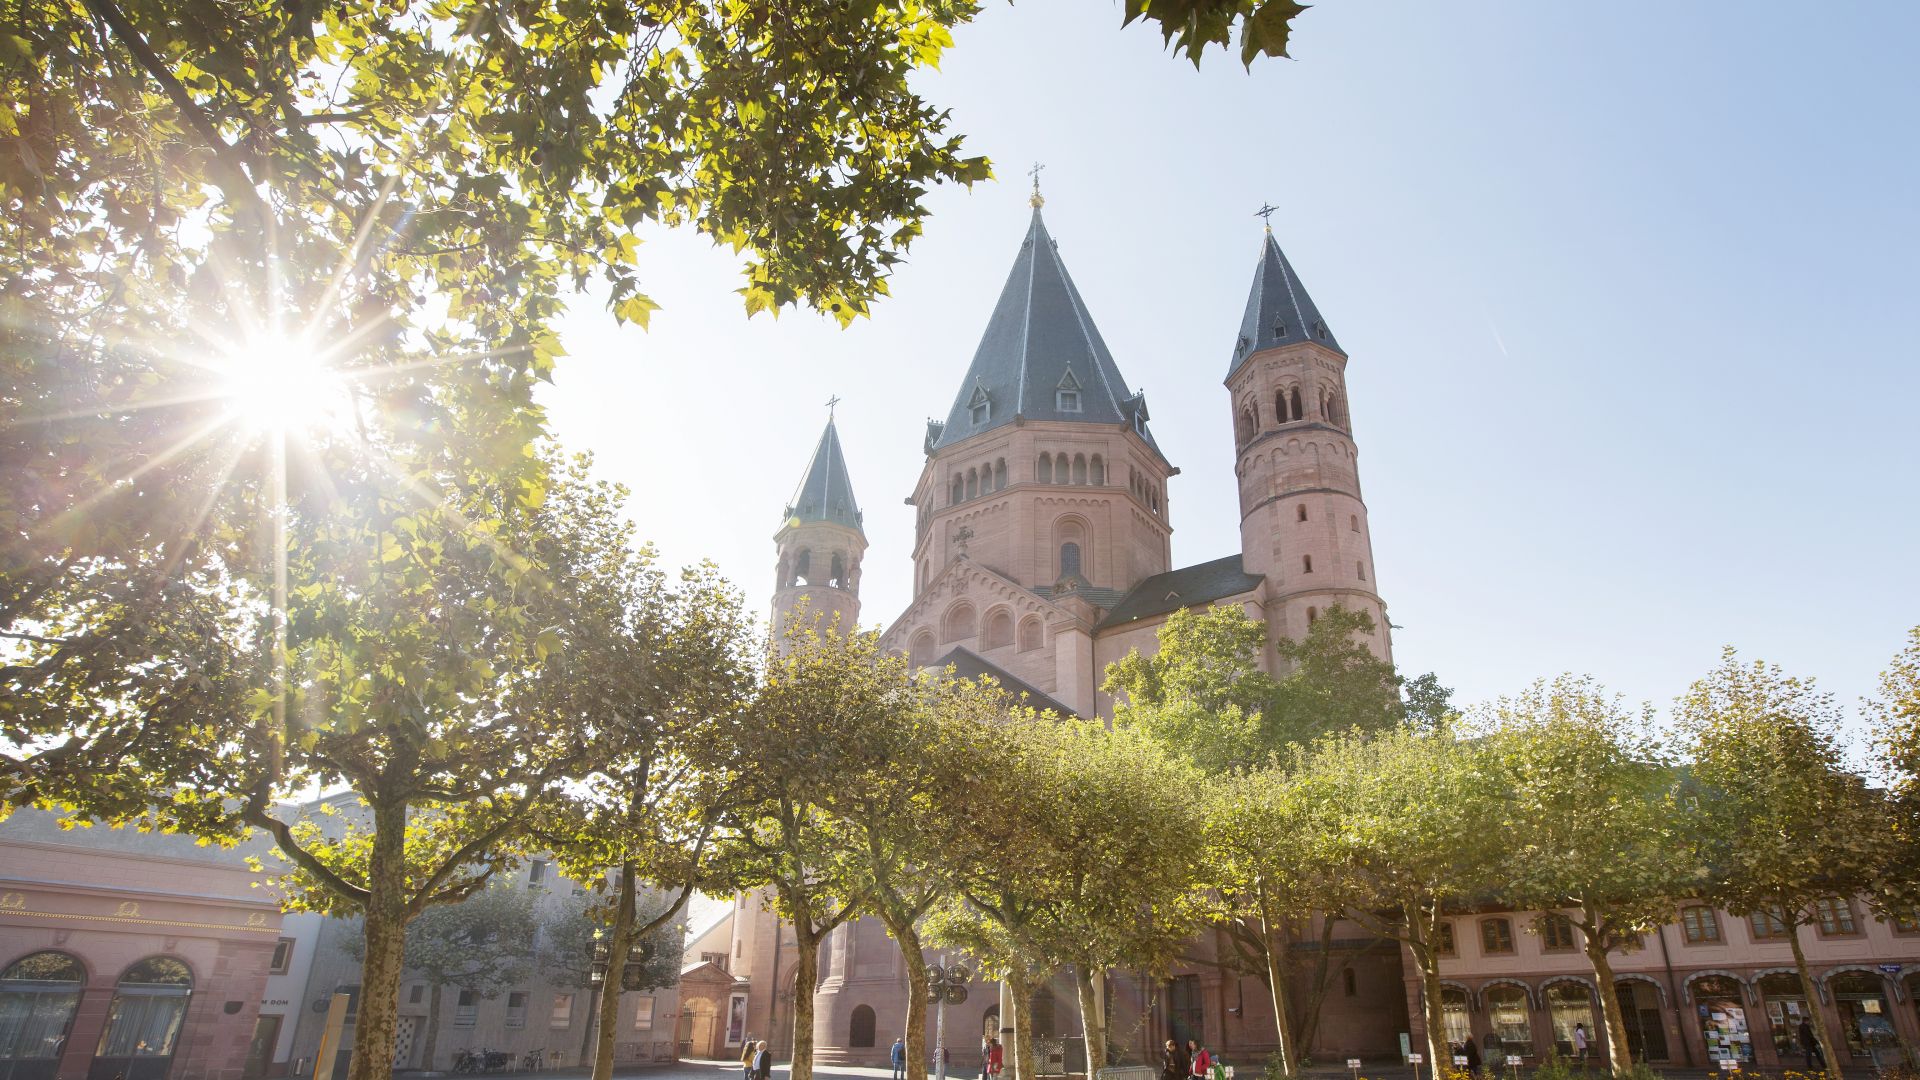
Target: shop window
pixel 1835 916
pixel 1786 1007
pixel 39 994
pixel 149 1006
pixel 1700 925
pixel 1865 1018
pixel 282 957
pixel 1556 932
pixel 1454 1017
pixel 1723 1018
pixel 1570 1006
pixel 516 1008
pixel 1768 924
pixel 562 1015
pixel 1507 1015
pixel 1496 936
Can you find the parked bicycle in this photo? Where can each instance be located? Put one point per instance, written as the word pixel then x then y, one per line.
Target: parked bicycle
pixel 534 1059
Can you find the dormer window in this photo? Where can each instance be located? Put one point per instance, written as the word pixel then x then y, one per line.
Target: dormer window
pixel 979 406
pixel 1066 396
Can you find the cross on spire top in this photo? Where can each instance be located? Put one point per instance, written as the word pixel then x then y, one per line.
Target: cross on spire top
pixel 831 402
pixel 1265 213
pixel 1036 201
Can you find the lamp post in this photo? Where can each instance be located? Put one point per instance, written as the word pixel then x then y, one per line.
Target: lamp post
pixel 945 986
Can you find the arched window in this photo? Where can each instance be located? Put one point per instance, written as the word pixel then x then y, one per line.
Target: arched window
pixel 1353 522
pixel 1298 412
pixel 1280 406
pixel 1045 474
pixel 1243 427
pixel 837 577
pixel 1334 413
pixel 1031 633
pixel 1079 468
pixel 959 489
pixel 1313 615
pixel 1361 569
pixel 39 993
pixel 958 623
pixel 973 483
pixel 1510 1018
pixel 999 629
pixel 920 652
pixel 999 474
pixel 926 572
pixel 860 1026
pixel 143 1023
pixel 1300 512
pixel 1097 472
pixel 1069 559
pixel 803 568
pixel 1453 1015
pixel 1306 564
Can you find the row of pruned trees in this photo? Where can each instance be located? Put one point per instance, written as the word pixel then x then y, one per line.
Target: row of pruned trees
pixel 1563 800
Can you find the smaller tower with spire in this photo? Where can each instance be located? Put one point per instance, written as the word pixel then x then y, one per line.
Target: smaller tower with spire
pixel 821 541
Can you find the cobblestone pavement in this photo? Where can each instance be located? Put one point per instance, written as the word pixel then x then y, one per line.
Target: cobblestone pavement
pixel 1373 1070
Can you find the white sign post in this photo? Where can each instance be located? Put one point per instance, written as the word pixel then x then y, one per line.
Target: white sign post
pixel 1415 1060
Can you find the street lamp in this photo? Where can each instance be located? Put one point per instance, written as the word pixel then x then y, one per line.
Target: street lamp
pixel 945 986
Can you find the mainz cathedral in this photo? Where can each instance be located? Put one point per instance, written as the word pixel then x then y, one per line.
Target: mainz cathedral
pixel 1041 555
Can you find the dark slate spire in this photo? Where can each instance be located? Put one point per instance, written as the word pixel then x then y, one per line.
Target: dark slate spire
pixel 1279 311
pixel 826 493
pixel 1040 358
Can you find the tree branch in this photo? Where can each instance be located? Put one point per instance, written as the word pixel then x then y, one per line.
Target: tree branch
pixel 283 839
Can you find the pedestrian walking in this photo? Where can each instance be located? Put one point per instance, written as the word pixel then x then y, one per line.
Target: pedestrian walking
pixel 746 1059
pixel 899 1059
pixel 1472 1054
pixel 996 1057
pixel 1199 1062
pixel 762 1062
pixel 1810 1046
pixel 1580 1042
pixel 1174 1065
pixel 986 1051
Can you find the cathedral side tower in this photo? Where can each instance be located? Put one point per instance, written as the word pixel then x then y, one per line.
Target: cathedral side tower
pixel 821 541
pixel 1303 524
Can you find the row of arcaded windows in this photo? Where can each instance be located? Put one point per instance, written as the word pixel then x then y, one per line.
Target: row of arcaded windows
pixel 982 479
pixel 1699 925
pixel 960 623
pixel 1288 408
pixel 1078 469
pixel 799 571
pixel 1146 492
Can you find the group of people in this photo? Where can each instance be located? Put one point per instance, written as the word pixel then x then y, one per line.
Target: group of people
pixel 1192 1063
pixel 756 1061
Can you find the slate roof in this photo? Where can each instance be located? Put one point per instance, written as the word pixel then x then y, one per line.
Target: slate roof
pixel 1039 340
pixel 970 665
pixel 1189 585
pixel 1279 311
pixel 826 491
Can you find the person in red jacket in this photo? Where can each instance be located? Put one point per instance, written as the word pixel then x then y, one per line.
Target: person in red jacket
pixel 1199 1062
pixel 996 1058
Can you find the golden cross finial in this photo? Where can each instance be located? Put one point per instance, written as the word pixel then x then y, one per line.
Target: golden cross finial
pixel 1265 213
pixel 1036 201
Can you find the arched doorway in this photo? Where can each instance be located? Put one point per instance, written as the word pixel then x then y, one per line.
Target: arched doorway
pixel 1786 1008
pixel 39 993
pixel 143 1023
pixel 1640 1014
pixel 1723 1018
pixel 860 1026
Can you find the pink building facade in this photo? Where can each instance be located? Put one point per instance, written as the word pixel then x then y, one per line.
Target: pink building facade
pixel 129 956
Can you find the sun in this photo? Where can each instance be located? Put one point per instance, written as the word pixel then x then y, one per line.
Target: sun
pixel 283 384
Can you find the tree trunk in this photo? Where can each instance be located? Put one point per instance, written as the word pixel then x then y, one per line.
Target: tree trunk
pixel 806 981
pixel 1812 992
pixel 1306 1023
pixel 619 944
pixel 589 1027
pixel 1277 988
pixel 385 926
pixel 1093 1025
pixel 915 961
pixel 433 1027
pixel 1021 1052
pixel 1439 1054
pixel 1619 1057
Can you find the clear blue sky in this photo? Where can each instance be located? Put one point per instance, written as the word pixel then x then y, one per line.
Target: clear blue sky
pixel 1631 297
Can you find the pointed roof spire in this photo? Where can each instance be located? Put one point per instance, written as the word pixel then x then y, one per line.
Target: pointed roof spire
pixel 1041 357
pixel 826 491
pixel 1279 311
